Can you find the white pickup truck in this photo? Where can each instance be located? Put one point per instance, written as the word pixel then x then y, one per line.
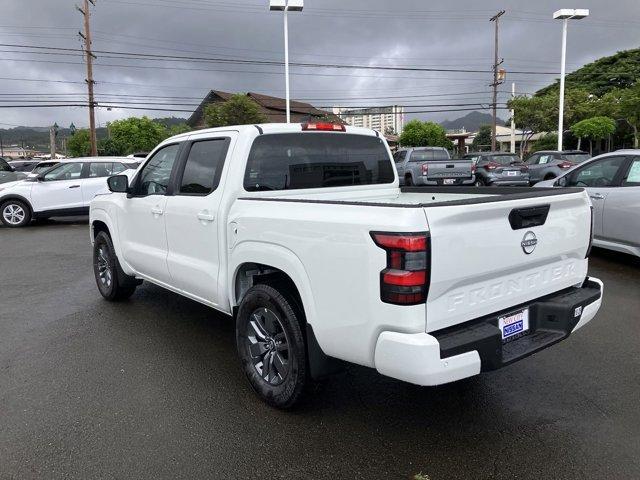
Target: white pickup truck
pixel 302 234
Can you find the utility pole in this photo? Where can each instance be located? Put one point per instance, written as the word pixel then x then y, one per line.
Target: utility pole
pixel 513 120
pixel 53 131
pixel 90 83
pixel 495 83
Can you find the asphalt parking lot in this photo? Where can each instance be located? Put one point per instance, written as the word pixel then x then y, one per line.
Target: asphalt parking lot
pixel 151 388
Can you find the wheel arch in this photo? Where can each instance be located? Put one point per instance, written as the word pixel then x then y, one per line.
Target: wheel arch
pixel 101 221
pixel 250 259
pixel 252 263
pixel 15 196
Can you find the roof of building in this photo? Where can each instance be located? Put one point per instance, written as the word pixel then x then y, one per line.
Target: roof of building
pixel 273 107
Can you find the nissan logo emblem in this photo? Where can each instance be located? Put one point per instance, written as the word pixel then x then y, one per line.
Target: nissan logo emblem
pixel 529 242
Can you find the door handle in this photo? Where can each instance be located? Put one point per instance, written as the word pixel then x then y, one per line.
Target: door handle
pixel 206 217
pixel 157 211
pixel 74 186
pixel 597 196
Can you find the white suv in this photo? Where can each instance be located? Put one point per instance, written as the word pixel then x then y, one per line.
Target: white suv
pixel 65 189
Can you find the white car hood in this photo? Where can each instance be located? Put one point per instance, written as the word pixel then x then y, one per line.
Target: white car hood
pixel 9 185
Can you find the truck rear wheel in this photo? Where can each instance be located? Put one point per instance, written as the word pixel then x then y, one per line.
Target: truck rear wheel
pixel 112 282
pixel 271 345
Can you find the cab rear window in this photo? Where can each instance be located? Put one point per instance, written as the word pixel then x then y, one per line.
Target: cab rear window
pixel 290 161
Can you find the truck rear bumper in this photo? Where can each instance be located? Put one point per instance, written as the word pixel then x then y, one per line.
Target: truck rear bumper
pixel 467 349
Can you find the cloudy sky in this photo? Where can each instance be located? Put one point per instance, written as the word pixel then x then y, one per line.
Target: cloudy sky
pixel 452 34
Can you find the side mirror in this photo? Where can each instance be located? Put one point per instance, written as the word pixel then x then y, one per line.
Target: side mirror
pixel 40 178
pixel 561 182
pixel 118 184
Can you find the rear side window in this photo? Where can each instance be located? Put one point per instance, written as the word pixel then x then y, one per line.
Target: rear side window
pixel 427 155
pixel 632 179
pixel 289 161
pixel 576 157
pixel 4 166
pixel 104 169
pixel 204 166
pixel 505 159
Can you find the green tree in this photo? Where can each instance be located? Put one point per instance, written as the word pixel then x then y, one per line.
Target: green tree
pixel 534 115
pixel 108 147
pixel 594 128
pixel 629 110
pixel 482 139
pixel 424 134
pixel 79 144
pixel 621 70
pixel 546 142
pixel 136 134
pixel 178 129
pixel 238 110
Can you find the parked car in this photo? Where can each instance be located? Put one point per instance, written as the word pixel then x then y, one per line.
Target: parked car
pixel 41 167
pixel 431 166
pixel 25 166
pixel 499 168
pixel 8 173
pixel 61 190
pixel 303 235
pixel 546 165
pixel 612 181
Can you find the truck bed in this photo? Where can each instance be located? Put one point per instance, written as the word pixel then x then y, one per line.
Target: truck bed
pixel 417 197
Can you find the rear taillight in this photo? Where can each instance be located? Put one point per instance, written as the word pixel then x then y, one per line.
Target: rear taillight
pixel 425 169
pixel 473 168
pixel 565 164
pixel 590 234
pixel 491 166
pixel 324 127
pixel 524 168
pixel 405 281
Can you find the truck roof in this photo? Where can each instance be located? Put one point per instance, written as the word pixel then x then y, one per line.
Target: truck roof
pixel 268 128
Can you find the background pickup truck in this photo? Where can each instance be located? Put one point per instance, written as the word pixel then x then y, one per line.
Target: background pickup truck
pixel 301 233
pixel 432 166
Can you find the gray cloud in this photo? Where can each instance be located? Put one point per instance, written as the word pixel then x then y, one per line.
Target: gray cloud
pixel 441 34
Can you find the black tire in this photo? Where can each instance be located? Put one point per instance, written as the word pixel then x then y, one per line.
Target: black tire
pixel 15 213
pixel 480 183
pixel 408 181
pixel 269 329
pixel 112 282
pixel 550 176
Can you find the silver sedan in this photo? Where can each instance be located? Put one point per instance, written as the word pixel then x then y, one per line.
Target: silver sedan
pixel 613 183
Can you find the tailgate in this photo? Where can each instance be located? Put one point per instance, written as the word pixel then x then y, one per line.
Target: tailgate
pixel 449 169
pixel 480 264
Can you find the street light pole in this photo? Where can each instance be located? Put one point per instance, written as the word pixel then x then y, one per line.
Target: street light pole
pixel 563 67
pixel 286 65
pixel 565 15
pixel 286 6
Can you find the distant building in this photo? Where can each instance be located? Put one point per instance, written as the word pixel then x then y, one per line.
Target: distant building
pixel 503 139
pixel 274 108
pixel 387 120
pixel 16 152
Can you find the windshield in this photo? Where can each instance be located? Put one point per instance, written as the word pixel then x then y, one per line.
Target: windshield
pixel 428 155
pixel 4 166
pixel 505 159
pixel 289 161
pixel 576 157
pixel 43 167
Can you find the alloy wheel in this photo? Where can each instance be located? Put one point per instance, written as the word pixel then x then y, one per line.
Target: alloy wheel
pixel 13 214
pixel 104 267
pixel 268 346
